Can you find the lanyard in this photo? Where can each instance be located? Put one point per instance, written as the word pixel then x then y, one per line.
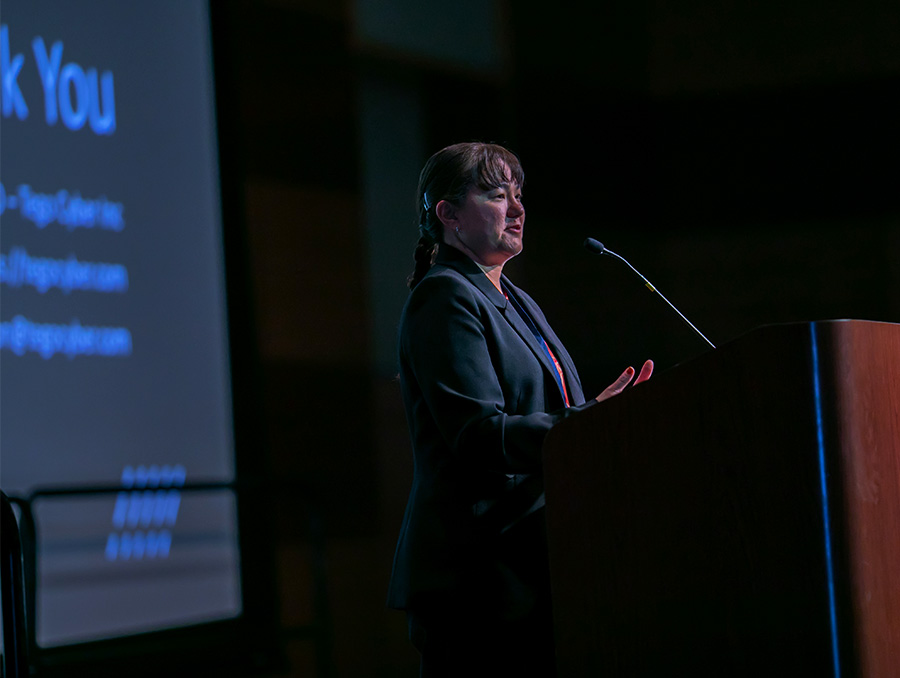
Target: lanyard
pixel 558 373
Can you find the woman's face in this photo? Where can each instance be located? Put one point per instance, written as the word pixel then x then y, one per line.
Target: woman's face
pixel 490 223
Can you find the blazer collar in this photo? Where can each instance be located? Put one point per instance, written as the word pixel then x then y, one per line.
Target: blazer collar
pixel 451 257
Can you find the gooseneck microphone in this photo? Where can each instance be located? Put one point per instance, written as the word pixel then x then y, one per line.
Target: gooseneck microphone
pixel 596 247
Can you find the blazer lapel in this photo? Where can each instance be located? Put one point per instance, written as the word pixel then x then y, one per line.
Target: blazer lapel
pixel 450 256
pixel 573 383
pixel 518 323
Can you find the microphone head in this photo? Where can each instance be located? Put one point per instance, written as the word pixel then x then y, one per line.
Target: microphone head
pixel 594 246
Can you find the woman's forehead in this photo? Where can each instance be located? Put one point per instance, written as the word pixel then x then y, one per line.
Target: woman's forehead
pixel 497 172
pixel 507 182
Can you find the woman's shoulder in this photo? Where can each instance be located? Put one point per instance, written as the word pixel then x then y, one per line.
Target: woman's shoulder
pixel 443 281
pixel 441 294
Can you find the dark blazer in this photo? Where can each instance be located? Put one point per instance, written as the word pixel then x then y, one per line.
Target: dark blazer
pixel 480 396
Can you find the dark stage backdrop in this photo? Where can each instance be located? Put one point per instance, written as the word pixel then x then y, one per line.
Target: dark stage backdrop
pixel 115 359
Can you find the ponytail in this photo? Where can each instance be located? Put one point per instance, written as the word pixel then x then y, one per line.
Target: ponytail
pixel 430 234
pixel 426 250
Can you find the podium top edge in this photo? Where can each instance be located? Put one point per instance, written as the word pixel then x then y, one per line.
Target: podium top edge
pixel 816 323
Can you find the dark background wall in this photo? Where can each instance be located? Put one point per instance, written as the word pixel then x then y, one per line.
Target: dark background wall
pixel 743 155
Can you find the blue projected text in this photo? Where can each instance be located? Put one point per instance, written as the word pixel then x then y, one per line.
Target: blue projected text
pixel 21 336
pixel 143 516
pixel 72 93
pixel 67 209
pixel 19 269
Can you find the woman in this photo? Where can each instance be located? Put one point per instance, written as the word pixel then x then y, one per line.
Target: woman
pixel 484 378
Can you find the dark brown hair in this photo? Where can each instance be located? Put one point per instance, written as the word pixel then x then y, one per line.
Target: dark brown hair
pixel 448 175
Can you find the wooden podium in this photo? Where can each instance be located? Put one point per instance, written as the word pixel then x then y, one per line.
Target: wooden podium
pixel 737 515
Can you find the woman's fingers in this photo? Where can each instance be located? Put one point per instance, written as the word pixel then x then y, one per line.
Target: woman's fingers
pixel 617 386
pixel 646 372
pixel 622 382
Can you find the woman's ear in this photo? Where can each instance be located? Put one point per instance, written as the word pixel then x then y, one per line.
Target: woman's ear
pixel 446 212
